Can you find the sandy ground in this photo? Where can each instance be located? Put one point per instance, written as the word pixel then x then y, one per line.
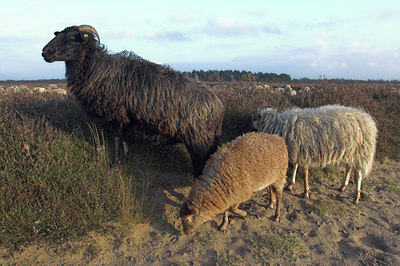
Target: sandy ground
pixel 327 229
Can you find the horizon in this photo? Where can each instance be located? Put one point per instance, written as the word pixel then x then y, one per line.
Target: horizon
pixel 302 39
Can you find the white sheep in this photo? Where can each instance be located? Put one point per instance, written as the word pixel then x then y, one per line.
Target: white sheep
pixel 322 136
pixel 288 88
pixel 250 163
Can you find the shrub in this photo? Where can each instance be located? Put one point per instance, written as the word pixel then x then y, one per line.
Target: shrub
pixel 55 179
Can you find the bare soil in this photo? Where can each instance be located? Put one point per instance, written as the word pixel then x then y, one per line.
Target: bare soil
pixel 327 229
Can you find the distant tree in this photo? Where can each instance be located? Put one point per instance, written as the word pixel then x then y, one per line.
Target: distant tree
pixel 236 75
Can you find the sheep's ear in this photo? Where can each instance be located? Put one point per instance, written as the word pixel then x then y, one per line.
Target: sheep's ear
pixel 185 209
pixel 195 211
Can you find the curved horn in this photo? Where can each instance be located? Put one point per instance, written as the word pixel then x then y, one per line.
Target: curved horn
pixel 88 28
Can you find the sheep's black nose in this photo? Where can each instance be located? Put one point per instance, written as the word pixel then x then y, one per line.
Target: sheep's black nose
pixel 46 50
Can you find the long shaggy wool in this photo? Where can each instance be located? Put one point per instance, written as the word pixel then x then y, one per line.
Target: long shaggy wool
pixel 124 88
pixel 326 135
pixel 249 163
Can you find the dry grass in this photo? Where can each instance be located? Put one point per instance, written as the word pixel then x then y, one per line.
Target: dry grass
pixel 55 177
pixel 55 180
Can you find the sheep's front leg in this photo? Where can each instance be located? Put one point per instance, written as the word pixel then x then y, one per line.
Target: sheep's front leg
pixel 291 184
pixel 225 222
pixel 306 187
pixel 116 131
pixel 235 210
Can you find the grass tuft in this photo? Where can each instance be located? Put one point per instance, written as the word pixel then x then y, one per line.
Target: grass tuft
pixel 275 246
pixel 334 207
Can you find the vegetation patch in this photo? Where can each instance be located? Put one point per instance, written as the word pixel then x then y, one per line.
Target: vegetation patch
pixel 392 186
pixel 56 184
pixel 229 258
pixel 277 246
pixel 54 161
pixel 334 207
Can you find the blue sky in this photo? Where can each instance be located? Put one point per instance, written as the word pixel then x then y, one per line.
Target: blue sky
pixel 353 39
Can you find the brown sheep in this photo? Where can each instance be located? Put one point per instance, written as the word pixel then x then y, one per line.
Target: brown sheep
pixel 248 164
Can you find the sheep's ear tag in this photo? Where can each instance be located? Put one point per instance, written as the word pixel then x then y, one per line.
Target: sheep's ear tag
pixel 85 35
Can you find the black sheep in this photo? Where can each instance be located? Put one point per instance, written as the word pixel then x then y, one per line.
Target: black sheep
pixel 126 90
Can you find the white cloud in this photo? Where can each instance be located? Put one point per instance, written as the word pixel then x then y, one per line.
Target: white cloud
pixel 226 27
pixel 272 28
pixel 372 65
pixel 174 36
pixel 179 17
pixel 385 15
pixel 257 13
pixel 121 34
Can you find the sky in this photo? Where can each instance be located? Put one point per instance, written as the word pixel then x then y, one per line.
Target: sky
pixel 350 39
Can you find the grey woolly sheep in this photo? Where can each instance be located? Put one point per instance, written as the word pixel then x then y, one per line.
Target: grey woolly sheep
pixel 126 90
pixel 236 170
pixel 322 136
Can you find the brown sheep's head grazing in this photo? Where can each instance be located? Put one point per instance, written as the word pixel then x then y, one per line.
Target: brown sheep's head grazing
pixel 191 218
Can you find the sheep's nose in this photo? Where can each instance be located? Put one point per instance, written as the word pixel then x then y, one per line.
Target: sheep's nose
pixel 45 50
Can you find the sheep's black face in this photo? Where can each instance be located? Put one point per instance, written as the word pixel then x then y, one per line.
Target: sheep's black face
pixel 66 46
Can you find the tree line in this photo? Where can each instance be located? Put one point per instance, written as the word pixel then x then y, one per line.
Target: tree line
pixel 236 75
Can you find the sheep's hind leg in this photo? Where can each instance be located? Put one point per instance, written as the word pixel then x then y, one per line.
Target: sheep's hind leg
pixel 291 184
pixel 358 192
pixel 272 197
pixel 306 187
pixel 125 147
pixel 346 180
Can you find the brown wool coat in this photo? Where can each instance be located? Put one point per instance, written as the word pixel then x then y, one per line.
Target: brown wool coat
pixel 248 164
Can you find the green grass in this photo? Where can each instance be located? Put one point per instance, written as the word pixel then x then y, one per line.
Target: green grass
pixel 229 258
pixel 333 207
pixel 392 186
pixel 277 246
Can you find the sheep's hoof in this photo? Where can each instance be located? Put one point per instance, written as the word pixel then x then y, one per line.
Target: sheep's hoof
pixel 342 188
pixel 114 164
pixel 271 205
pixel 127 157
pixel 277 219
pixel 223 226
pixel 306 195
pixel 358 196
pixel 290 186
